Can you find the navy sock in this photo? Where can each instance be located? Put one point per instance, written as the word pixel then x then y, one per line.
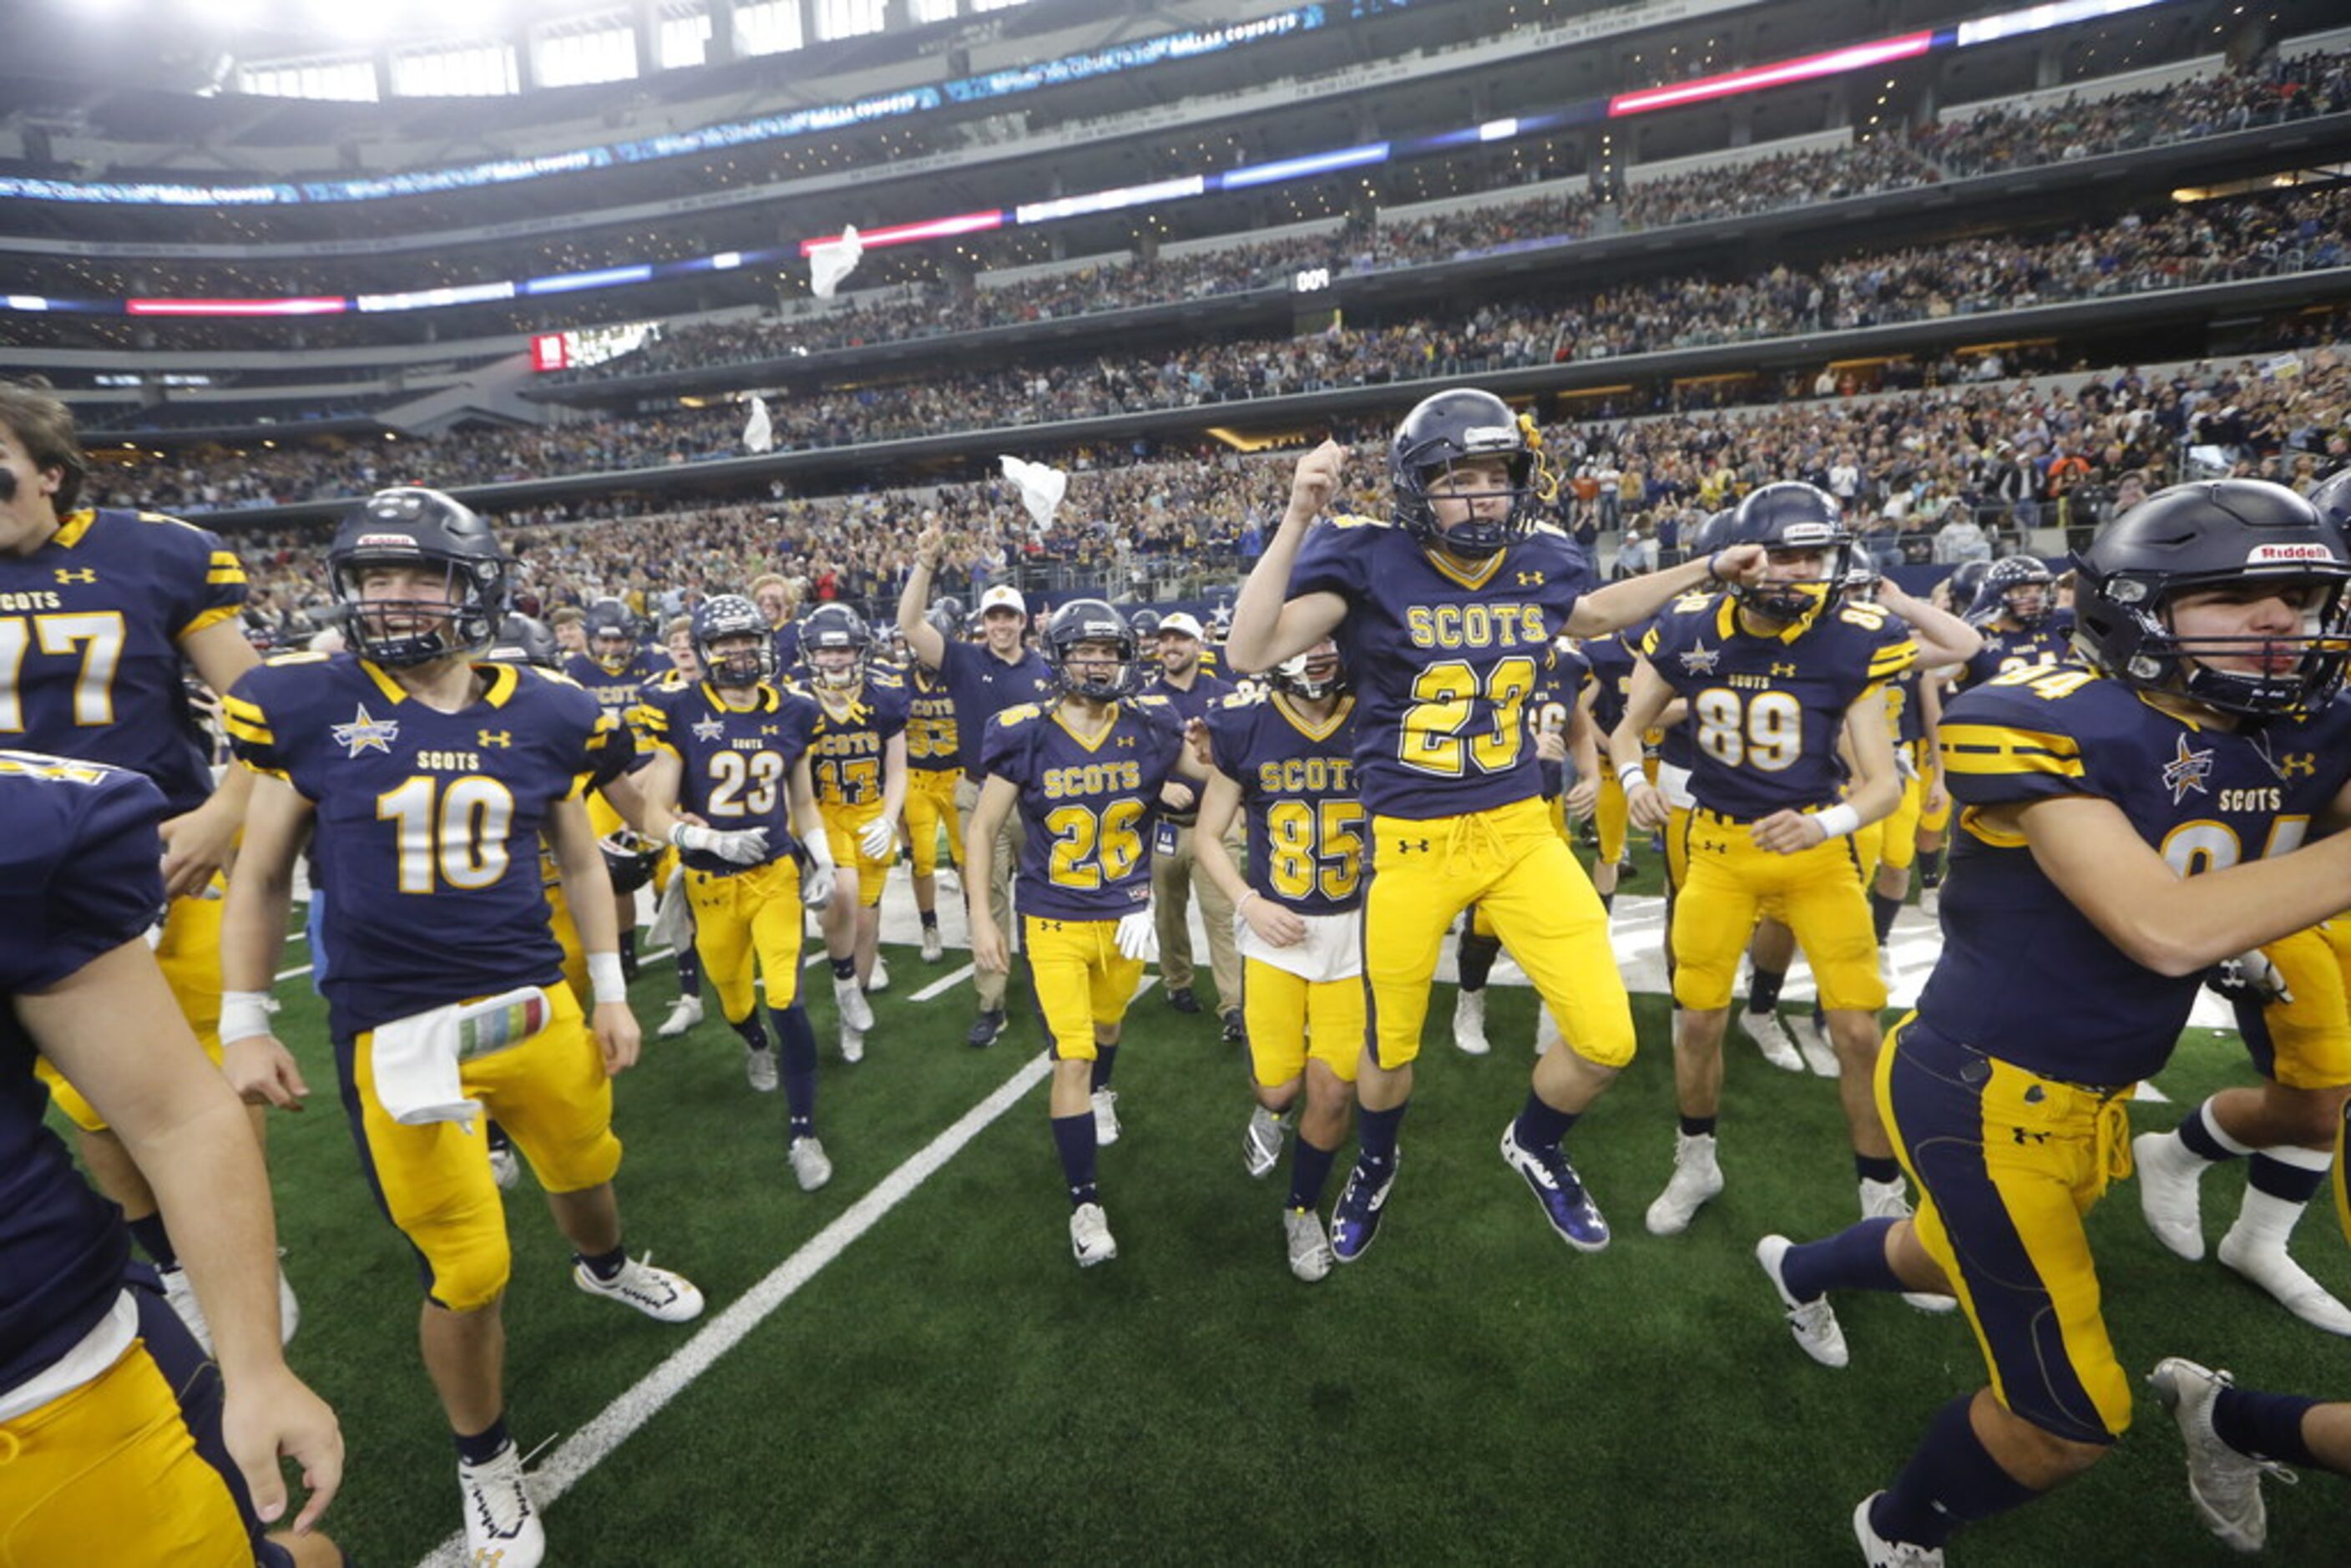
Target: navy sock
pixel 845 968
pixel 1852 1260
pixel 2196 1132
pixel 797 1037
pixel 749 1028
pixel 2267 1426
pixel 2293 1183
pixel 1375 1134
pixel 689 971
pixel 1475 959
pixel 1763 988
pixel 1882 911
pixel 1310 1169
pixel 1539 1126
pixel 486 1445
pixel 1930 869
pixel 629 951
pixel 1073 1139
pixel 1951 1480
pixel 1608 902
pixel 1698 1126
pixel 1105 1064
pixel 154 1241
pixel 1877 1167
pixel 495 1136
pixel 605 1266
pixel 930 919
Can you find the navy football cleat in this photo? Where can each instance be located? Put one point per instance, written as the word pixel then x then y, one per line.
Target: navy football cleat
pixel 1556 1187
pixel 1356 1219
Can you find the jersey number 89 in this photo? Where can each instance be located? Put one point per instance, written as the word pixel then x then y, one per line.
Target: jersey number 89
pixel 1767 733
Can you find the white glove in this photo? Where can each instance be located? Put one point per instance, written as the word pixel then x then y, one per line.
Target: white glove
pixel 1138 935
pixel 816 875
pixel 672 923
pixel 877 838
pixel 1905 767
pixel 2255 971
pixel 737 846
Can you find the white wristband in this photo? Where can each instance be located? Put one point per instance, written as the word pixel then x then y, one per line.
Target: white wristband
pixel 245 1014
pixel 605 980
pixel 1631 774
pixel 1837 820
pixel 819 850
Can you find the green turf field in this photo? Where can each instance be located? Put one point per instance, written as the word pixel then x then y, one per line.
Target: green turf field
pixel 953 1388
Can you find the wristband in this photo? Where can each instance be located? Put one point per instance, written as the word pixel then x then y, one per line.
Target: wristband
pixel 1252 893
pixel 245 1014
pixel 1837 820
pixel 1630 775
pixel 1711 563
pixel 819 851
pixel 677 831
pixel 606 981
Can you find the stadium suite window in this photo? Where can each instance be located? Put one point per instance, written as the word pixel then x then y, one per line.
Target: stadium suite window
pixel 849 18
pixel 768 29
pixel 480 70
pixel 574 58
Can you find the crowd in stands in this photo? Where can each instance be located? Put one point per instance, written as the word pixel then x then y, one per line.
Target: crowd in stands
pixel 2175 247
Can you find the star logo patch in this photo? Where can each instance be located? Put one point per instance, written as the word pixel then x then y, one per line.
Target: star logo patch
pixel 2188 770
pixel 710 730
pixel 1700 661
pixel 365 733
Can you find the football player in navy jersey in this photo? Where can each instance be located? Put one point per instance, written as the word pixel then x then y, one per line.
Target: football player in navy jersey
pixel 100 611
pixel 616 670
pixel 1285 761
pixel 2016 607
pixel 934 769
pixel 1443 616
pixel 423 781
pixel 1086 771
pixel 1191 691
pixel 120 1440
pixel 2124 827
pixel 1609 660
pixel 985 676
pixel 859 762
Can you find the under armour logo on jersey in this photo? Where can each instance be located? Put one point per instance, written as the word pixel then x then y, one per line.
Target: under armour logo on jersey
pixel 1405 846
pixel 77 574
pixel 2188 770
pixel 494 738
pixel 1530 579
pixel 709 730
pixel 1127 741
pixel 1784 671
pixel 771 729
pixel 1701 660
pixel 2303 762
pixel 365 733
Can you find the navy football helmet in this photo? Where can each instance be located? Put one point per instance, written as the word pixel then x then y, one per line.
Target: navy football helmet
pixel 1143 623
pixel 414 526
pixel 2333 498
pixel 732 615
pixel 835 629
pixel 1790 516
pixel 1862 578
pixel 525 639
pixel 1089 621
pixel 1320 672
pixel 1965 579
pixel 1464 425
pixel 2018 586
pixel 612 634
pixel 2222 534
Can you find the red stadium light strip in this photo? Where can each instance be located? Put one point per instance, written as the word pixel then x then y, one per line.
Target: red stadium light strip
pixel 1756 77
pixel 316 306
pixel 907 234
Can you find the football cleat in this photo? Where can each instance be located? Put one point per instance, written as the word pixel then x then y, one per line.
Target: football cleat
pixel 1813 1322
pixel 848 1000
pixel 2266 1264
pixel 1696 1179
pixel 683 1014
pixel 879 980
pixel 1105 1102
pixel 502 1528
pixel 1770 1036
pixel 1930 901
pixel 985 1028
pixel 1812 1043
pixel 1310 1249
pixel 1261 1142
pixel 1556 1187
pixel 852 1044
pixel 2169 1174
pixel 934 948
pixel 759 1068
pixel 811 1167
pixel 1091 1242
pixel 1469 1024
pixel 181 1293
pixel 656 1292
pixel 1356 1219
pixel 506 1168
pixel 2225 1485
pixel 1236 1033
pixel 1881 1552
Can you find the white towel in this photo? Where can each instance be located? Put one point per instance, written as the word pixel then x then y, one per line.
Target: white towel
pixel 416 1059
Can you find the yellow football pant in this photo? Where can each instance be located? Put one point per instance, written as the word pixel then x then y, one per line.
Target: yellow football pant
pixel 1081 981
pixel 1816 893
pixel 1291 1019
pixel 930 806
pixel 745 924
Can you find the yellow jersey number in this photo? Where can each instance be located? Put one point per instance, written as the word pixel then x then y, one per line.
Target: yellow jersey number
pixel 1091 848
pixel 928 737
pixel 1315 846
pixel 1445 699
pixel 848 780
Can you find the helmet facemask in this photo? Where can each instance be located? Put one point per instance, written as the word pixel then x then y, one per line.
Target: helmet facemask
pixel 2130 625
pixel 397 634
pixel 1799 598
pixel 1318 672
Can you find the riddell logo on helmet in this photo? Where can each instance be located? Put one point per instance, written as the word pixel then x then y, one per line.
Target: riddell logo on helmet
pixel 385 541
pixel 1481 438
pixel 2267 555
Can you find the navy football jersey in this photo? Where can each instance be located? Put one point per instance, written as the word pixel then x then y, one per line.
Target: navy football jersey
pixel 849 744
pixel 427 823
pixel 1297 795
pixel 2050 644
pixel 1089 806
pixel 1553 707
pixel 1766 711
pixel 1195 700
pixel 617 691
pixel 933 740
pixel 787 639
pixel 736 764
pixel 80 874
pixel 2025 975
pixel 91 626
pixel 1444 662
pixel 984 686
pixel 1610 661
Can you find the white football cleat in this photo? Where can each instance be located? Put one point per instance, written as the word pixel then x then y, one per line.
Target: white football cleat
pixel 1881 1552
pixel 879 980
pixel 934 948
pixel 1770 1036
pixel 1089 1239
pixel 2225 1485
pixel 849 1000
pixel 1696 1177
pixel 1105 1103
pixel 2169 1174
pixel 506 1168
pixel 1891 1200
pixel 181 1292
pixel 759 1068
pixel 656 1292
pixel 1812 1043
pixel 1261 1141
pixel 502 1528
pixel 810 1165
pixel 2267 1265
pixel 1469 1023
pixel 852 1044
pixel 1814 1323
pixel 683 1014
pixel 1310 1248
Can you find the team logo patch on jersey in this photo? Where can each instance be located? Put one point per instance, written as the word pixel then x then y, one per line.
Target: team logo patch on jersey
pixel 710 730
pixel 365 733
pixel 1701 660
pixel 2188 770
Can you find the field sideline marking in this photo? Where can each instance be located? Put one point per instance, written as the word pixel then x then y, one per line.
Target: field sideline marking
pixel 595 1442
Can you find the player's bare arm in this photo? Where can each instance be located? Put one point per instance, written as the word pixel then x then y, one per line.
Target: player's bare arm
pixel 252 933
pixel 1636 599
pixel 1942 637
pixel 921 636
pixel 1876 787
pixel 1267 625
pixel 1644 707
pixel 199 842
pixel 588 887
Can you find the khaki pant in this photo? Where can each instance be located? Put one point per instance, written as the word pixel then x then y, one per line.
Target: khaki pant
pixel 1010 839
pixel 1173 878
